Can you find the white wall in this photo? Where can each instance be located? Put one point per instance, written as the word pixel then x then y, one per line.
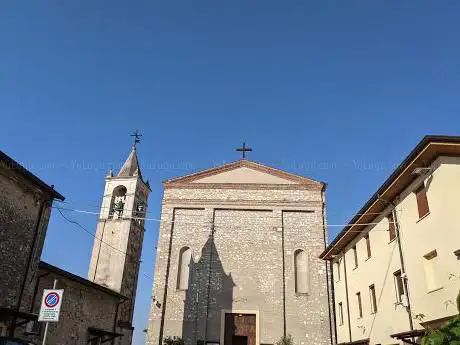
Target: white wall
pixel 439 230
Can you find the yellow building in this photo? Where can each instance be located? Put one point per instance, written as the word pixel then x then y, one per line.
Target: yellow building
pixel 396 265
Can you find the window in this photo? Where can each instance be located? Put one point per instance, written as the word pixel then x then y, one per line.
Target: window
pixel 301 271
pixel 117 203
pixel 337 269
pixel 373 299
pixel 184 268
pixel 391 227
pixel 340 314
pixel 360 305
pixel 368 245
pixel 422 201
pixel 430 265
pixel 399 286
pixel 355 255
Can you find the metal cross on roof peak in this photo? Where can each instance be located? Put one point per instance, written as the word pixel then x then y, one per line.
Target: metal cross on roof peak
pixel 244 149
pixel 137 138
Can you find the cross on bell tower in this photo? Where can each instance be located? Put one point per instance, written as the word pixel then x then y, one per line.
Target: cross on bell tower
pixel 137 138
pixel 244 149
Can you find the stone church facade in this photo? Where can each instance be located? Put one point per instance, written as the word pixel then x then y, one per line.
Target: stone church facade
pixel 237 259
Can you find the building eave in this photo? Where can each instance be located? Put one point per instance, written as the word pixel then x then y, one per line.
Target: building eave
pixel 9 163
pixel 426 151
pixel 59 271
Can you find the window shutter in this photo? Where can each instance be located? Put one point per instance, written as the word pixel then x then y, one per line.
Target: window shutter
pixel 391 227
pixel 422 201
pixel 368 245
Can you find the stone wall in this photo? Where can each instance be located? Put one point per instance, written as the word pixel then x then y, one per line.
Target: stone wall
pixel 236 237
pixel 20 214
pixel 82 306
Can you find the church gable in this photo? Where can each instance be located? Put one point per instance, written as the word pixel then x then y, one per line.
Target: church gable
pixel 242 172
pixel 243 175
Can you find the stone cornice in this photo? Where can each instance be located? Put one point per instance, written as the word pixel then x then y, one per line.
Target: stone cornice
pixel 245 203
pixel 251 186
pixel 187 181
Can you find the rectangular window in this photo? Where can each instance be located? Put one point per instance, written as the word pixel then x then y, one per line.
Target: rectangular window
pixel 391 227
pixel 422 201
pixel 399 286
pixel 368 245
pixel 340 314
pixel 360 305
pixel 355 255
pixel 337 269
pixel 430 265
pixel 373 299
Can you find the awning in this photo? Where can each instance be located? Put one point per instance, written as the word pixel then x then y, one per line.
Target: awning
pixel 102 335
pixel 408 336
pixel 435 324
pixel 9 314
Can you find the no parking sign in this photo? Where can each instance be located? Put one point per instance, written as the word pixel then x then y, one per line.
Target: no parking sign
pixel 51 305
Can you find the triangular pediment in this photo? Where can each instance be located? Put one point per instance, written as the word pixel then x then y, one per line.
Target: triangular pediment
pixel 243 172
pixel 243 175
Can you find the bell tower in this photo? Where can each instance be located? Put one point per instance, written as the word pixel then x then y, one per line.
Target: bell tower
pixel 120 230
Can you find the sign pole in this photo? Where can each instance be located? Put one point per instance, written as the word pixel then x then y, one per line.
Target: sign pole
pixel 46 325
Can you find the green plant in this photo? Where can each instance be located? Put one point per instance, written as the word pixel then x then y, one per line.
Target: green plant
pixel 173 341
pixel 448 334
pixel 285 340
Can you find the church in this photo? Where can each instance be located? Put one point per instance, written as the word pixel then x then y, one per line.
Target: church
pixel 238 259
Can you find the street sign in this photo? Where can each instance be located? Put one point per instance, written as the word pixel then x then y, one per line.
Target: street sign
pixel 51 305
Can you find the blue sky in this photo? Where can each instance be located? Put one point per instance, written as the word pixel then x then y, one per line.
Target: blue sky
pixel 335 90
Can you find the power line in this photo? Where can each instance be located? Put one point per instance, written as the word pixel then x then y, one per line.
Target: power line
pixel 217 217
pixel 100 240
pixel 96 206
pixel 194 215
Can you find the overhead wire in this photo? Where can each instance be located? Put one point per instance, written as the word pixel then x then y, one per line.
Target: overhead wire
pixel 99 239
pixel 194 215
pixel 217 217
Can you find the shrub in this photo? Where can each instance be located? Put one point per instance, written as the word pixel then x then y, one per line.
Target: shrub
pixel 285 340
pixel 173 341
pixel 448 334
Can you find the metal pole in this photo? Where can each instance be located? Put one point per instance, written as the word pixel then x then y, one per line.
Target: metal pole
pixel 46 326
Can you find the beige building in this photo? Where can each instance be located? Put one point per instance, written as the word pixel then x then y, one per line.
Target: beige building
pixel 396 264
pixel 238 259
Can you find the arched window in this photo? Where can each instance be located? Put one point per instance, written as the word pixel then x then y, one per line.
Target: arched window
pixel 185 256
pixel 117 205
pixel 301 271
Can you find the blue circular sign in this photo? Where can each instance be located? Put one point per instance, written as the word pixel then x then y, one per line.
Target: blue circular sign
pixel 51 299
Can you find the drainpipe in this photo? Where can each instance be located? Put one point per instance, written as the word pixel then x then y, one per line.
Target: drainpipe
pixel 29 262
pixel 330 297
pixel 332 312
pixel 346 292
pixel 403 268
pixel 37 284
pixel 284 274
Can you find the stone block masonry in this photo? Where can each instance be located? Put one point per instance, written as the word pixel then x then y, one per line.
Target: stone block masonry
pixel 243 243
